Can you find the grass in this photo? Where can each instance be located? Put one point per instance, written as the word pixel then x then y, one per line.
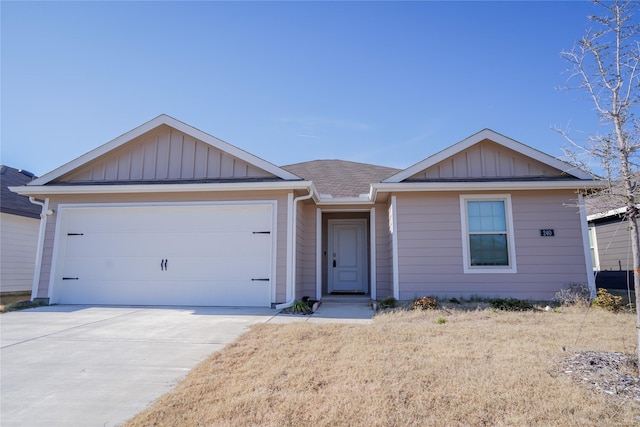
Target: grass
pixel 476 368
pixel 15 301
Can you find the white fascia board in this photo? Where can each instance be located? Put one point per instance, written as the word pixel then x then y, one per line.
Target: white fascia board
pixel 484 186
pixel 164 119
pixel 497 138
pixel 343 201
pixel 27 190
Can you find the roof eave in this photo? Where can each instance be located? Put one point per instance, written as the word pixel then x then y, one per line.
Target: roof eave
pixel 384 187
pixel 49 190
pixel 344 201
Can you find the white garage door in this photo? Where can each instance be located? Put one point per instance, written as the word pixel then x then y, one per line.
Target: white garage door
pixel 211 255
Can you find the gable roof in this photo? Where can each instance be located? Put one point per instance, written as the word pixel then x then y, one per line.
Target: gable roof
pixel 163 120
pixel 11 202
pixel 341 178
pixel 566 169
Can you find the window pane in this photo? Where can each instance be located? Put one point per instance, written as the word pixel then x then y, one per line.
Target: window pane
pixel 488 249
pixel 486 216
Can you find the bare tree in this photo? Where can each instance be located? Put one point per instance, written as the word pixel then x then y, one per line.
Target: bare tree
pixel 606 64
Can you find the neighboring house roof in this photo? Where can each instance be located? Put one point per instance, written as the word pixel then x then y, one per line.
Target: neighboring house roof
pixel 341 178
pixel 13 203
pixel 610 201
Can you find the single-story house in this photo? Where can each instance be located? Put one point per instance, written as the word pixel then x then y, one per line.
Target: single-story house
pixel 19 227
pixel 169 215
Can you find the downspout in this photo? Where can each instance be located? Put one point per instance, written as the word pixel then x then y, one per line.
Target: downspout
pixel 45 212
pixel 292 248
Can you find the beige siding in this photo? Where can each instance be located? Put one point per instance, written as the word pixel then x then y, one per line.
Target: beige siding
pixel 281 220
pixel 614 245
pixel 165 154
pixel 487 159
pixel 306 251
pixel 383 253
pixel 430 247
pixel 18 243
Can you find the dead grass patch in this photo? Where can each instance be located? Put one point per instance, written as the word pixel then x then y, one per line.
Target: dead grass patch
pixel 10 300
pixel 406 368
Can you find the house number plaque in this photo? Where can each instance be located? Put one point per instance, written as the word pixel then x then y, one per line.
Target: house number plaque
pixel 547 232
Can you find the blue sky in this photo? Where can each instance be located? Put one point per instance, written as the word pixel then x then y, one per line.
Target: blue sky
pixel 386 83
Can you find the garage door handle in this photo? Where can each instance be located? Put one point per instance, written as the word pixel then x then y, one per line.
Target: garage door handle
pixel 259 280
pixel 70 278
pixel 163 264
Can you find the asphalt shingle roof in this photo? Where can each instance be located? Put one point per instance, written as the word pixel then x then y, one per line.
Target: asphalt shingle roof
pixel 341 178
pixel 11 202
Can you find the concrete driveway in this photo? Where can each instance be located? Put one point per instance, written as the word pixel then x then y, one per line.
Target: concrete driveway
pixel 99 366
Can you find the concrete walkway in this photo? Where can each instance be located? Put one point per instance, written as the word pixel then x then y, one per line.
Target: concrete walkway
pixel 331 312
pixel 99 366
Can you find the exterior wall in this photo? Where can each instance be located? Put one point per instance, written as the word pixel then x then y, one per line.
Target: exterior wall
pixel 18 244
pixel 384 276
pixel 614 245
pixel 430 247
pixel 165 154
pixel 487 159
pixel 281 220
pixel 306 251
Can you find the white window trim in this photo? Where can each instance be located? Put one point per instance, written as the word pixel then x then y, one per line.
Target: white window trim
pixel 511 246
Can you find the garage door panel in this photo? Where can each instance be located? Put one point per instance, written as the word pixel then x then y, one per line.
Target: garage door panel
pixel 215 255
pixel 106 244
pixel 167 244
pixel 192 268
pixel 196 293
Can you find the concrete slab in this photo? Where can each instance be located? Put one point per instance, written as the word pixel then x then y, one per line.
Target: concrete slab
pixel 331 312
pixel 99 366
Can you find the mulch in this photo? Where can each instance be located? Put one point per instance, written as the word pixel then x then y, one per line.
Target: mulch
pixel 612 374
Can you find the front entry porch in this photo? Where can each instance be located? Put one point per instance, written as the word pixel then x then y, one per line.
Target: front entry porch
pixel 345 254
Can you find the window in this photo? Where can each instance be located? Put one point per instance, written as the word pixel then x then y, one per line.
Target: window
pixel 487 236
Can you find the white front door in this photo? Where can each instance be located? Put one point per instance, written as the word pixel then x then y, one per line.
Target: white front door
pixel 347 256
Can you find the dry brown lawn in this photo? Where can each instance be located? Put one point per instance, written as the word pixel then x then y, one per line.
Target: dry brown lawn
pixel 7 299
pixel 480 368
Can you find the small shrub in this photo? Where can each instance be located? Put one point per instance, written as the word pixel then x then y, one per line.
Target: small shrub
pixel 441 320
pixel 607 301
pixel 573 294
pixel 389 302
pixel 300 307
pixel 511 304
pixel 454 301
pixel 424 303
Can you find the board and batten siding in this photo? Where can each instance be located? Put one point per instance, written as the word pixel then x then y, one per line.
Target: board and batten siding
pixel 430 247
pixel 487 159
pixel 165 154
pixel 18 244
pixel 614 245
pixel 280 211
